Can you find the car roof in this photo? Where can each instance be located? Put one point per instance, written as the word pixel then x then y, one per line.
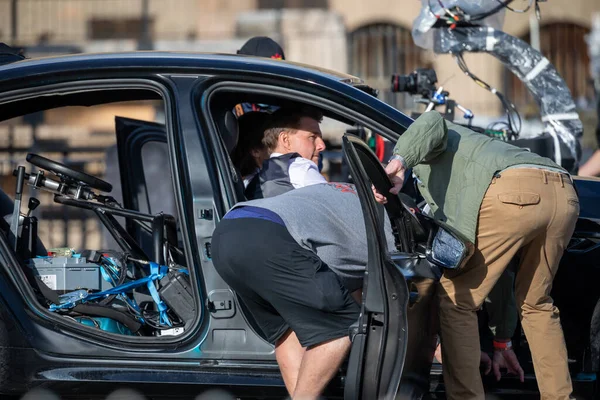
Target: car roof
pixel 48 68
pixel 157 59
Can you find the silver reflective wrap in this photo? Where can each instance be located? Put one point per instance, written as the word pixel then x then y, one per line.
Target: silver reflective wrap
pixel 422 32
pixel 593 41
pixel 549 90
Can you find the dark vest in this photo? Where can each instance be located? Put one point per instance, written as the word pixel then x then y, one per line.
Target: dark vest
pixel 273 179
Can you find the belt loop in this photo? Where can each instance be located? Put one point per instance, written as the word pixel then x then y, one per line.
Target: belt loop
pixel 545 176
pixel 562 183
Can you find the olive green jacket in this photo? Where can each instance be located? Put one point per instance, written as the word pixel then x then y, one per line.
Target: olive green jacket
pixel 455 166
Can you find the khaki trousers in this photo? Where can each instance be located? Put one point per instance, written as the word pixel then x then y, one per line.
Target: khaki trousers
pixel 524 209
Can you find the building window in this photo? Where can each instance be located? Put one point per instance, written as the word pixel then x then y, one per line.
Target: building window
pixel 124 28
pixel 377 51
pixel 277 4
pixel 563 44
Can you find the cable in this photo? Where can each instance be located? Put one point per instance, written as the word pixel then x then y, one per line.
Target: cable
pixel 131 307
pixel 446 9
pixel 84 317
pixel 153 320
pixel 449 20
pixel 455 17
pixel 108 263
pixel 509 108
pixel 460 16
pixel 479 17
pixel 524 10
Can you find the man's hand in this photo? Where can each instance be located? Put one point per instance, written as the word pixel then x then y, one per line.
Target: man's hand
pixel 485 363
pixel 438 353
pixel 507 359
pixel 395 171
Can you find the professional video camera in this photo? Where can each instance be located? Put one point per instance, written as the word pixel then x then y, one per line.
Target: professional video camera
pixel 421 81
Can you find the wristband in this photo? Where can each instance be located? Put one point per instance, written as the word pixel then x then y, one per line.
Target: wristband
pixel 399 158
pixel 502 346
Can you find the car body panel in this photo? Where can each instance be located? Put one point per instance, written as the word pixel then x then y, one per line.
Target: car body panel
pixel 588 191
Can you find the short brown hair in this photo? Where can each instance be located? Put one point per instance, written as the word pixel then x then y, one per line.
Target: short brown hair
pixel 287 119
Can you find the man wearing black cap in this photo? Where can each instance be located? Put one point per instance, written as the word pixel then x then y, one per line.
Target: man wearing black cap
pixel 259 46
pixel 262 46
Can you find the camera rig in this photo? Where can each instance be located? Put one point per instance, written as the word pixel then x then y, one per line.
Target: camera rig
pixel 458 26
pixel 126 291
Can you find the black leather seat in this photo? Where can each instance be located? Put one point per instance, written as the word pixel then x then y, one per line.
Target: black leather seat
pixel 230 137
pixel 232 131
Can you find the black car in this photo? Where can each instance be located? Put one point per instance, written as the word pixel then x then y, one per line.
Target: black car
pixel 151 312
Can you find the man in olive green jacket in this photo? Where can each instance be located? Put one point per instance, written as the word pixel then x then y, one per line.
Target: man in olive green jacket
pixel 503 199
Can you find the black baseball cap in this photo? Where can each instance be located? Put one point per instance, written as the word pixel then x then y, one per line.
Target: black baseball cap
pixel 262 46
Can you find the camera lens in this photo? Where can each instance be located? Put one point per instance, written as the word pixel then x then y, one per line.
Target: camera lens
pixel 403 83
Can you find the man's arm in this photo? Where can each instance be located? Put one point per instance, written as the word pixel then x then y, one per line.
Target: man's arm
pixel 502 320
pixel 592 166
pixel 424 140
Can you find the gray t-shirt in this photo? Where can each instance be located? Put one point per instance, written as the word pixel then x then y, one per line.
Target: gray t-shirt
pixel 328 220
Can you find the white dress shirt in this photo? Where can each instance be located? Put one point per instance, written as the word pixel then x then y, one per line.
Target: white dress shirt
pixel 303 172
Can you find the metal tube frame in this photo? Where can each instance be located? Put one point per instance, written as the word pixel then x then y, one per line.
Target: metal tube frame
pixel 160 223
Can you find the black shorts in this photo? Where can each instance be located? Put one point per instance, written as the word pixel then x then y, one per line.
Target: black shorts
pixel 282 285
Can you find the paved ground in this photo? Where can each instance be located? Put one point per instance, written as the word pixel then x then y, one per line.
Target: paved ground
pixel 121 394
pixel 177 393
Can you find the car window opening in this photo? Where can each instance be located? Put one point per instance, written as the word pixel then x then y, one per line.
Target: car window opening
pixel 253 112
pixel 128 274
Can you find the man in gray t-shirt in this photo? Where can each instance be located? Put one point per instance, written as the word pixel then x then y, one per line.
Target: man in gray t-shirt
pixel 293 260
pixel 326 219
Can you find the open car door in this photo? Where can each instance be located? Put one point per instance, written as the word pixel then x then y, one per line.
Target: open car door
pixel 379 340
pixel 143 172
pixel 383 339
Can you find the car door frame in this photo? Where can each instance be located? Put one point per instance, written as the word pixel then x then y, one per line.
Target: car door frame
pixel 67 84
pixel 380 341
pixel 369 381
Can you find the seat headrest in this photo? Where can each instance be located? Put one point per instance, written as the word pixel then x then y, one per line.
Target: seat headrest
pixel 6 205
pixel 230 136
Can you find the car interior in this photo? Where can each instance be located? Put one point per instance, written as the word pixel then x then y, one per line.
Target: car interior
pixel 137 283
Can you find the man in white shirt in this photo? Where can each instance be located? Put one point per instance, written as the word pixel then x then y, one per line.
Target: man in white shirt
pixel 294 140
